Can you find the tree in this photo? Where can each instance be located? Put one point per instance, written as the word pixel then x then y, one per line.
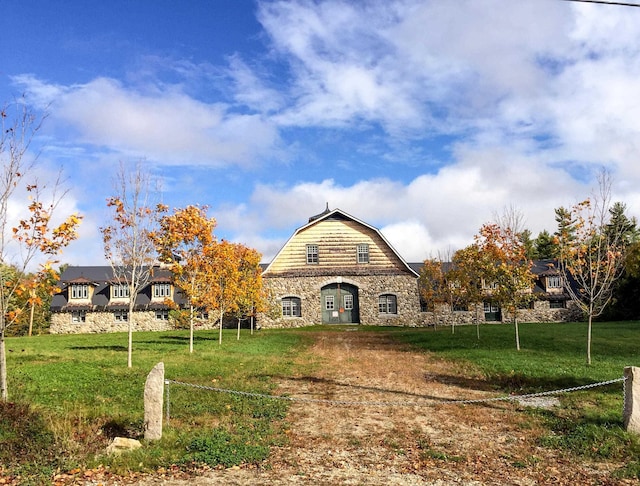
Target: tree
pixel 434 286
pixel 184 240
pixel 592 252
pixel 225 284
pixel 251 297
pixel 36 236
pixel 128 242
pixel 432 283
pixel 466 276
pixel 507 268
pixel 545 246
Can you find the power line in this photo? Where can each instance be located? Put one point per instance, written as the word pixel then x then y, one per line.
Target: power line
pixel 604 2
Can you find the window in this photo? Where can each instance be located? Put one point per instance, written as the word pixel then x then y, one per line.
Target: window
pixel 120 291
pixel 162 315
pixel 348 302
pixel 460 307
pixel 78 316
pixel 387 304
pixel 162 290
pixel 491 308
pixel 329 302
pixel 554 282
pixel 489 285
pixel 557 304
pixel 291 307
pixel 121 316
pixel 79 291
pixel 363 253
pixel 312 254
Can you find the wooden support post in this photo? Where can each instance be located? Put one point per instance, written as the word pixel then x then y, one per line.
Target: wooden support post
pixel 632 399
pixel 153 400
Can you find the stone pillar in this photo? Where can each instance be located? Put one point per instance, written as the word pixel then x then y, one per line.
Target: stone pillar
pixel 153 398
pixel 632 399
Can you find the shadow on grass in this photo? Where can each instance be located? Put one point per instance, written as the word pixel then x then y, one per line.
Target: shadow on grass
pixel 338 384
pixel 522 384
pixel 510 384
pixel 99 348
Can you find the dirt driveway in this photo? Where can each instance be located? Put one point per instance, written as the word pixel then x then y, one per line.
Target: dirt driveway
pixel 430 444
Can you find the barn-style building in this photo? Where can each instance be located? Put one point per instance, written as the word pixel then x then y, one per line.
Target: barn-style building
pixel 337 269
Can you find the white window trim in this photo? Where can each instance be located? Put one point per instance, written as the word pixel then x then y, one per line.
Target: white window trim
pixel 363 253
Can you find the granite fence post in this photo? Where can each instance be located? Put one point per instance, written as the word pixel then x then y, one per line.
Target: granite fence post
pixel 632 399
pixel 153 399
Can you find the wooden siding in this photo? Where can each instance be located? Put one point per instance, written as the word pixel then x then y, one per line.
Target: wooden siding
pixel 337 241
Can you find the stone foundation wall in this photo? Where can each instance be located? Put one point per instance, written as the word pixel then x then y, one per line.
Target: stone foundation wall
pixel 541 312
pixel 370 287
pixel 101 322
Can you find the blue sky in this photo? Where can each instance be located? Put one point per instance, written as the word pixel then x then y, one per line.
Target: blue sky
pixel 424 118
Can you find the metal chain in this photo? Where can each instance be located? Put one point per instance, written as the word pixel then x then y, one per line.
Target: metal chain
pixel 396 404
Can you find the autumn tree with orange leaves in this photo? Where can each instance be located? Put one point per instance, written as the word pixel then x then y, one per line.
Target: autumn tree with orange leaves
pixel 506 269
pixel 36 236
pixel 128 244
pixel 434 287
pixel 466 275
pixel 251 298
pixel 592 253
pixel 185 240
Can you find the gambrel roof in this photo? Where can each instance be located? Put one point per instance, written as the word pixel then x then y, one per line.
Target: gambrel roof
pixel 338 214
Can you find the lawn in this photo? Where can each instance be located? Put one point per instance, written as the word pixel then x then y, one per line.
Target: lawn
pixel 69 395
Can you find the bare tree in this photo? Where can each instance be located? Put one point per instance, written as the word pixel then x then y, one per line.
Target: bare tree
pixel 128 243
pixel 33 236
pixel 592 253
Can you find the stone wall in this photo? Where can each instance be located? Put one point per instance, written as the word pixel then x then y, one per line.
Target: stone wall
pixel 405 288
pixel 370 287
pixel 541 312
pixel 100 322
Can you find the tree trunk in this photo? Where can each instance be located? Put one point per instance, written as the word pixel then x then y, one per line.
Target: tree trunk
pixel 220 337
pixel 238 329
pixel 3 369
pixel 130 338
pixel 191 329
pixel 515 321
pixel 589 338
pixel 33 308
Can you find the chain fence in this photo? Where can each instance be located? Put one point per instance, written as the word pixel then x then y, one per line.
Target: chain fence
pixel 377 403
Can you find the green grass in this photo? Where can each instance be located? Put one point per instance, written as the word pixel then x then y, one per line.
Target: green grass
pixel 71 394
pixel 82 394
pixel 589 424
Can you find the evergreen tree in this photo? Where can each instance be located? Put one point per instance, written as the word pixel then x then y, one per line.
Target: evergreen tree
pixel 545 246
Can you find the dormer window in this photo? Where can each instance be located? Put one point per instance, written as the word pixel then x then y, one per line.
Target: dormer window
pixel 554 282
pixel 79 291
pixel 363 253
pixel 120 291
pixel 161 290
pixel 312 254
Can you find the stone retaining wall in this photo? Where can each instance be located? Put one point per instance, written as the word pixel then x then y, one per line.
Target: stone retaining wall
pixel 101 322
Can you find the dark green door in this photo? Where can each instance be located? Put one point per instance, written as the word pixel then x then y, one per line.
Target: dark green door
pixel 339 303
pixel 492 312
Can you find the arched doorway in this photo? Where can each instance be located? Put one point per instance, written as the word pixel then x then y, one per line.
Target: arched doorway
pixel 339 303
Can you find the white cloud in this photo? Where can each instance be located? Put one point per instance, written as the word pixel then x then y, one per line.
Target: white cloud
pixel 168 127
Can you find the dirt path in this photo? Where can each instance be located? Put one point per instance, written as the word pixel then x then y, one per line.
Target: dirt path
pixel 402 445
